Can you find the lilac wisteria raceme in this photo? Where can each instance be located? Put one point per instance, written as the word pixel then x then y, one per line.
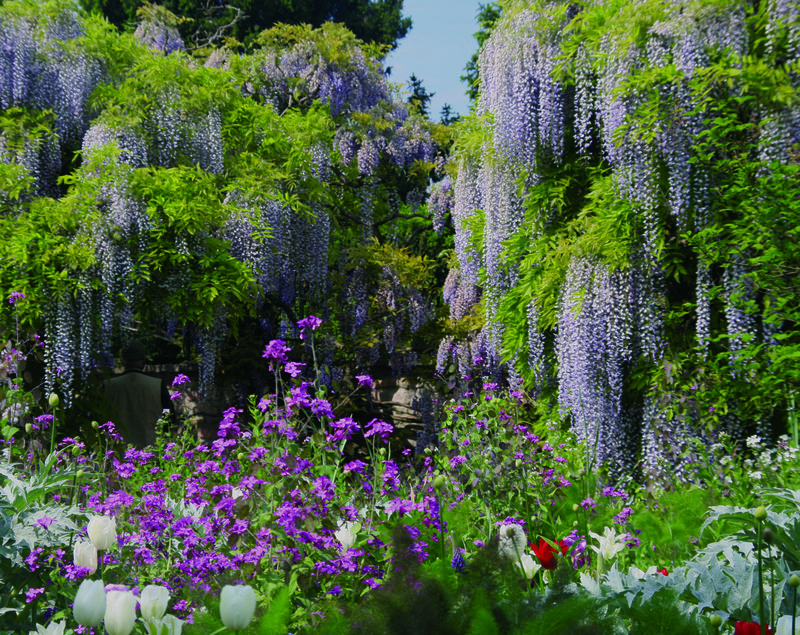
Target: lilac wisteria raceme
pixel 602 315
pixel 41 68
pixel 519 89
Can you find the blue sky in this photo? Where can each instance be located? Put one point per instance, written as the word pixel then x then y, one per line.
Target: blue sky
pixel 437 48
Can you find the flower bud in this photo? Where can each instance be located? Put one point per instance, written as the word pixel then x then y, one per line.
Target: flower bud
pixel 760 513
pixel 28 428
pixel 120 613
pixel 153 601
pixel 794 581
pixel 90 603
pixel 768 536
pixel 102 532
pixel 438 483
pixel 575 507
pixel 84 555
pixel 715 620
pixel 79 474
pixel 95 425
pixel 52 399
pixel 237 604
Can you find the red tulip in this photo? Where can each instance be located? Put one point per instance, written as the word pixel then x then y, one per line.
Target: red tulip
pixel 663 571
pixel 547 554
pixel 749 628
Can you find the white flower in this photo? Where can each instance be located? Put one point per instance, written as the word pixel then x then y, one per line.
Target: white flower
pixel 102 532
pixel 237 604
pixel 53 628
pixel 153 601
pixel 84 554
pixel 90 603
pixel 120 612
pixel 346 534
pixel 753 441
pixel 167 625
pixel 529 565
pixel 512 541
pixel 609 544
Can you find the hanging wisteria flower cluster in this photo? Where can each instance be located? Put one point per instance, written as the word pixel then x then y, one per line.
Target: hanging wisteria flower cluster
pixel 561 102
pixel 203 194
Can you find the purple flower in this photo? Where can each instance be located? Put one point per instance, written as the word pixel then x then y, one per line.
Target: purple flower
pixel 365 380
pixel 15 295
pixel 31 594
pixel 176 395
pixel 294 368
pixel 355 466
pixel 276 350
pixel 589 504
pixel 45 521
pixel 180 379
pixel 322 408
pixel 457 460
pixel 380 428
pixel 624 516
pixel 345 428
pixel 43 422
pixel 312 322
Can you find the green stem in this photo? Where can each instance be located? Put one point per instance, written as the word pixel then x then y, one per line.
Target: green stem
pixel 772 596
pixel 794 609
pixel 760 582
pixel 53 432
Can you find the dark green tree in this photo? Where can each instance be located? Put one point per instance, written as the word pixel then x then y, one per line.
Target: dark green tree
pixel 420 98
pixel 448 116
pixel 207 22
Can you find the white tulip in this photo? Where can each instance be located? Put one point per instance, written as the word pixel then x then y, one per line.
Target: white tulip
pixel 153 601
pixel 167 625
pixel 53 628
pixel 102 532
pixel 237 604
pixel 529 565
pixel 120 612
pixel 84 555
pixel 90 603
pixel 346 534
